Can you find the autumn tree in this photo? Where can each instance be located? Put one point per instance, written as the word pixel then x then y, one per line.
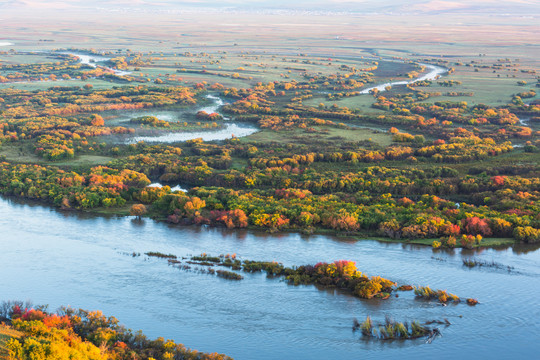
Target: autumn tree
pixel 137 210
pixel 96 120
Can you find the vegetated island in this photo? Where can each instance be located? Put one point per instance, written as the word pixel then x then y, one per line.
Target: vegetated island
pixel 340 274
pixel 394 330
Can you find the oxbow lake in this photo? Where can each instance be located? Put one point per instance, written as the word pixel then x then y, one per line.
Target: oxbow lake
pixel 73 258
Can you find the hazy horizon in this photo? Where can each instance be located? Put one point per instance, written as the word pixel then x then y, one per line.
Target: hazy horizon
pixel 491 7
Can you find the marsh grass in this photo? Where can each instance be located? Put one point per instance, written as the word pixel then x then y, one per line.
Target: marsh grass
pixel 393 330
pixel 425 292
pixel 472 262
pixel 229 275
pixel 160 255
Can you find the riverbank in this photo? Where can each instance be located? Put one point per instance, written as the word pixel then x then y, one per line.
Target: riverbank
pixel 258 314
pixel 357 236
pixel 34 333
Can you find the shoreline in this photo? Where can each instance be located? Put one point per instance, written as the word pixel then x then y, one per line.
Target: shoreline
pixel 493 243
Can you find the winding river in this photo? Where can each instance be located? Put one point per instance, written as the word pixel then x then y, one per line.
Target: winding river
pixel 229 129
pixel 72 258
pixel 241 130
pixel 434 73
pixel 92 60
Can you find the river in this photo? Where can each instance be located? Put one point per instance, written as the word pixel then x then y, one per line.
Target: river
pixel 173 188
pixel 73 258
pixel 228 130
pixel 434 73
pixel 92 60
pixel 78 259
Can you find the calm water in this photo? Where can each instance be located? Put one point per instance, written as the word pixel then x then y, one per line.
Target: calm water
pixel 70 258
pixel 173 187
pixel 227 132
pixel 92 60
pixel 213 104
pixel 434 73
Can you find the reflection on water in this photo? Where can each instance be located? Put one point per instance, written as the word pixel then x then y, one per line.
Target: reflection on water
pixel 74 258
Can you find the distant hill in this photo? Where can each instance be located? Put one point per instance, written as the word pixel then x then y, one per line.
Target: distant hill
pixel 479 7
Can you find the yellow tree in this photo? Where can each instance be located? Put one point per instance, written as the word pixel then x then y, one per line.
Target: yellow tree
pixel 138 210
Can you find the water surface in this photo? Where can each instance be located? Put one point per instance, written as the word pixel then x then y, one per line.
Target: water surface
pixel 92 60
pixel 434 73
pixel 173 187
pixel 227 132
pixel 72 258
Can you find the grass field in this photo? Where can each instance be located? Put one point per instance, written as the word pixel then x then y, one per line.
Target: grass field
pixel 486 86
pixel 486 242
pixel 323 134
pixel 22 154
pixel 44 85
pixel 362 102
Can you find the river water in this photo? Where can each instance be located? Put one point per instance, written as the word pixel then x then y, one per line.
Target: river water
pixel 434 73
pixel 72 258
pixel 92 60
pixel 228 130
pixel 173 187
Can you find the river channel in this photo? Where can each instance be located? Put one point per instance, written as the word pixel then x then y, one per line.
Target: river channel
pixel 73 258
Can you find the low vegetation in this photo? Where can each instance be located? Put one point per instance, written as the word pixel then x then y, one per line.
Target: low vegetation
pixel 35 333
pixel 340 274
pixel 392 330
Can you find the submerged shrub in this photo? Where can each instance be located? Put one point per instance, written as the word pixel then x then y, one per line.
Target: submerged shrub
pixel 394 330
pixel 425 292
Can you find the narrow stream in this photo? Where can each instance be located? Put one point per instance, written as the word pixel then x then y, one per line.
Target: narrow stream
pixel 229 131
